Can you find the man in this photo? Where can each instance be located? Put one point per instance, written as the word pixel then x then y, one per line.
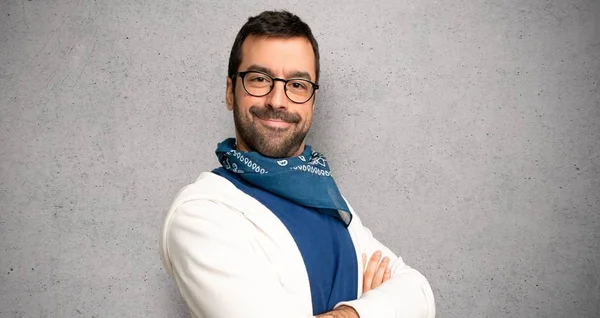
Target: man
pixel 268 234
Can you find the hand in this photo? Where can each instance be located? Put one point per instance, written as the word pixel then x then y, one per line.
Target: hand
pixel 375 273
pixel 340 312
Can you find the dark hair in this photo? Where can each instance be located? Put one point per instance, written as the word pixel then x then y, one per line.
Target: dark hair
pixel 271 24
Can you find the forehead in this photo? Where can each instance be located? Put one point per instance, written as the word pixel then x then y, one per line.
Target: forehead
pixel 280 55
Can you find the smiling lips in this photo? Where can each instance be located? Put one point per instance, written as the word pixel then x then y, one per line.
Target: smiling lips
pixel 275 123
pixel 270 118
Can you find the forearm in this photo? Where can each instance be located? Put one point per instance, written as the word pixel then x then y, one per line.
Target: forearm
pixel 406 294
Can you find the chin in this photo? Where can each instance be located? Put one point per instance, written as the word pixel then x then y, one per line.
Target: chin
pixel 277 149
pixel 272 142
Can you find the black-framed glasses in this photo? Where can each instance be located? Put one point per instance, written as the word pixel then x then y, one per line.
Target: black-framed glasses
pixel 259 84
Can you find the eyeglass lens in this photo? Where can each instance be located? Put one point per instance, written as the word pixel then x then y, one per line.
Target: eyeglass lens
pixel 259 84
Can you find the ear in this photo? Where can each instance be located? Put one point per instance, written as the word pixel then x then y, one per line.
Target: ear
pixel 229 93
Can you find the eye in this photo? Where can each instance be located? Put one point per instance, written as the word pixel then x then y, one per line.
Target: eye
pixel 258 78
pixel 298 85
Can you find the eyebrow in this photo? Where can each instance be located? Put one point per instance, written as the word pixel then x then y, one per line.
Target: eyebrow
pixel 294 74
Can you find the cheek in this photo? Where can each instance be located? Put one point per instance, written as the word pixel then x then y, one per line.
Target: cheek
pixel 307 116
pixel 244 103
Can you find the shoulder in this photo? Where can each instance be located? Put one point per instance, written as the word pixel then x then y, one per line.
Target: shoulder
pixel 203 208
pixel 208 186
pixel 210 193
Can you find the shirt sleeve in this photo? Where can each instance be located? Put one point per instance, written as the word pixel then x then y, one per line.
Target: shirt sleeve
pixel 406 294
pixel 210 254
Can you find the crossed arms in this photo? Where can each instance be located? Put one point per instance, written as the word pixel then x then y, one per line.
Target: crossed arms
pixel 221 271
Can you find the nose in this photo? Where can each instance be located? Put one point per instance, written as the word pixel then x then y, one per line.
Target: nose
pixel 277 98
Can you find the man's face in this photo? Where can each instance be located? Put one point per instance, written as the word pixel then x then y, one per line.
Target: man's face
pixel 272 124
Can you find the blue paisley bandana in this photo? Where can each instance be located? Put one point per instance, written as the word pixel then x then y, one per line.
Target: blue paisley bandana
pixel 304 180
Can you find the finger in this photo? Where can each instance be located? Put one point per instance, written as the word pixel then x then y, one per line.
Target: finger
pixel 378 277
pixel 388 274
pixel 370 271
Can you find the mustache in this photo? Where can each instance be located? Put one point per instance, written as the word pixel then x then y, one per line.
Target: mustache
pixel 268 113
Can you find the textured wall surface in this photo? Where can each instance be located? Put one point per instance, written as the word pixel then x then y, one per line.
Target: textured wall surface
pixel 466 133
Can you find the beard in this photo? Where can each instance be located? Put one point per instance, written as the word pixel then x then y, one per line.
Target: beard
pixel 269 141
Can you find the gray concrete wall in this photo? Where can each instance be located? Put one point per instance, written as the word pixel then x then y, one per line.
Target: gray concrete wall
pixel 466 133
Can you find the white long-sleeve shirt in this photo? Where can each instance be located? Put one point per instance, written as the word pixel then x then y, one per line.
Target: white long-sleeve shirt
pixel 231 257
